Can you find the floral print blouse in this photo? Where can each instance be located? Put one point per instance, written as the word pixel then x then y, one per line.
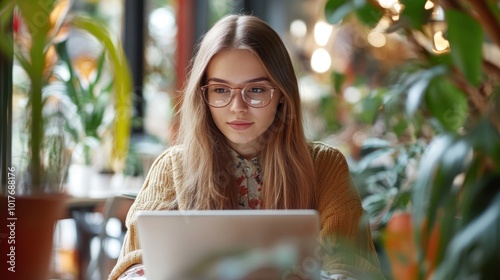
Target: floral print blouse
pixel 248 175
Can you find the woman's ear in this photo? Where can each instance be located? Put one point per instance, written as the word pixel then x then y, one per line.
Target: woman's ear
pixel 282 99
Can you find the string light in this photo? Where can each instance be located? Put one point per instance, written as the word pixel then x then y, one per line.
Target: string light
pixel 387 4
pixel 429 5
pixel 321 60
pixel 322 32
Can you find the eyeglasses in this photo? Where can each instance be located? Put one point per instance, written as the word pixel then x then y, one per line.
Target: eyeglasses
pixel 254 95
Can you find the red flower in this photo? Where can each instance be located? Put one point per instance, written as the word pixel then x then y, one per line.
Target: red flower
pixel 140 272
pixel 239 180
pixel 253 203
pixel 243 190
pixel 15 23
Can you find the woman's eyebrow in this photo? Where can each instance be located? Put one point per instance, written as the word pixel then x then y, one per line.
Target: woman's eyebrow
pixel 217 80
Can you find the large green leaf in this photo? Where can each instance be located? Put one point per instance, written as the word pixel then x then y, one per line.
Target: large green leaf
pixel 337 10
pixel 428 165
pixel 473 251
pixel 328 109
pixel 482 135
pixel 447 227
pixel 99 72
pixel 338 80
pixel 122 87
pixel 452 162
pixel 368 159
pixel 414 13
pixel 465 35
pixel 494 7
pixel 447 103
pixel 369 14
pixel 417 84
pixel 369 106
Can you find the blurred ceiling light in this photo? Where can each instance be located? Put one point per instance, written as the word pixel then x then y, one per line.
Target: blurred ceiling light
pixel 438 14
pixel 440 44
pixel 298 28
pixel 321 61
pixel 386 4
pixel 322 32
pixel 376 39
pixel 398 7
pixel 393 8
pixel 438 29
pixel 162 25
pixel 429 5
pixel 383 24
pixel 352 95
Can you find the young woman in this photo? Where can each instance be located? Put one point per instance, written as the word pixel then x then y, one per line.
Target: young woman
pixel 241 145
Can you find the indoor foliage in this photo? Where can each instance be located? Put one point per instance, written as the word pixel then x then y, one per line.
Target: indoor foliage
pixel 443 106
pixel 35 41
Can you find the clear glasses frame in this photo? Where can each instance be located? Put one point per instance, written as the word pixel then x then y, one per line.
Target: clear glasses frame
pixel 254 95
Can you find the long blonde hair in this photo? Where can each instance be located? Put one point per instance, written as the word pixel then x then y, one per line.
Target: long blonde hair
pixel 288 175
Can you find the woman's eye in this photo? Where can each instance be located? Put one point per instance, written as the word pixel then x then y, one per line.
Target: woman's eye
pixel 256 89
pixel 220 90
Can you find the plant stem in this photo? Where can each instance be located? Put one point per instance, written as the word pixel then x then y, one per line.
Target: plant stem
pixel 36 118
pixel 36 130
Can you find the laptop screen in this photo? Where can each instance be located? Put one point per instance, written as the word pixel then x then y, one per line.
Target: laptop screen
pixel 230 244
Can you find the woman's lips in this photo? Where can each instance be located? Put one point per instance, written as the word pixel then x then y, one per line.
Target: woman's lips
pixel 240 125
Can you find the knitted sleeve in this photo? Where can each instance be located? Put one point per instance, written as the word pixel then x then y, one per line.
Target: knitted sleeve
pixel 157 193
pixel 347 245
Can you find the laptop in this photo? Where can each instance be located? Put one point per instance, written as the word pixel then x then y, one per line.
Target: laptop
pixel 230 244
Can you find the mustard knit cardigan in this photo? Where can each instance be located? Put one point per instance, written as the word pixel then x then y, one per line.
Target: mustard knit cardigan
pixel 338 204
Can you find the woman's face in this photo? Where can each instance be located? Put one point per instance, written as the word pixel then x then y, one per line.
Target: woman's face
pixel 241 124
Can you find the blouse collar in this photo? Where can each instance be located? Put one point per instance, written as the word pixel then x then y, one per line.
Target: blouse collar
pixel 246 166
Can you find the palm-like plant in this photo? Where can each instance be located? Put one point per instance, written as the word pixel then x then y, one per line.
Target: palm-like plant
pixel 36 33
pixel 35 49
pixel 84 101
pixel 444 106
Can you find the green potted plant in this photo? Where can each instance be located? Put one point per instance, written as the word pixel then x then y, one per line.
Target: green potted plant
pixel 84 90
pixel 33 195
pixel 440 110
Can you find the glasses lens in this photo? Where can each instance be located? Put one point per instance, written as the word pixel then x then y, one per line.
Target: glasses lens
pixel 257 95
pixel 218 95
pixel 254 95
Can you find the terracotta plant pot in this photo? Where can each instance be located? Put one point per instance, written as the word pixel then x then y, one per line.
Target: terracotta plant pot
pixel 402 251
pixel 26 235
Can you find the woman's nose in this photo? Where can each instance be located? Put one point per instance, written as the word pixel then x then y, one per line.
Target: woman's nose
pixel 238 104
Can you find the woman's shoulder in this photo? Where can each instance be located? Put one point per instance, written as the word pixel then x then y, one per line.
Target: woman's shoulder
pixel 172 151
pixel 320 150
pixel 168 163
pixel 171 154
pixel 326 156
